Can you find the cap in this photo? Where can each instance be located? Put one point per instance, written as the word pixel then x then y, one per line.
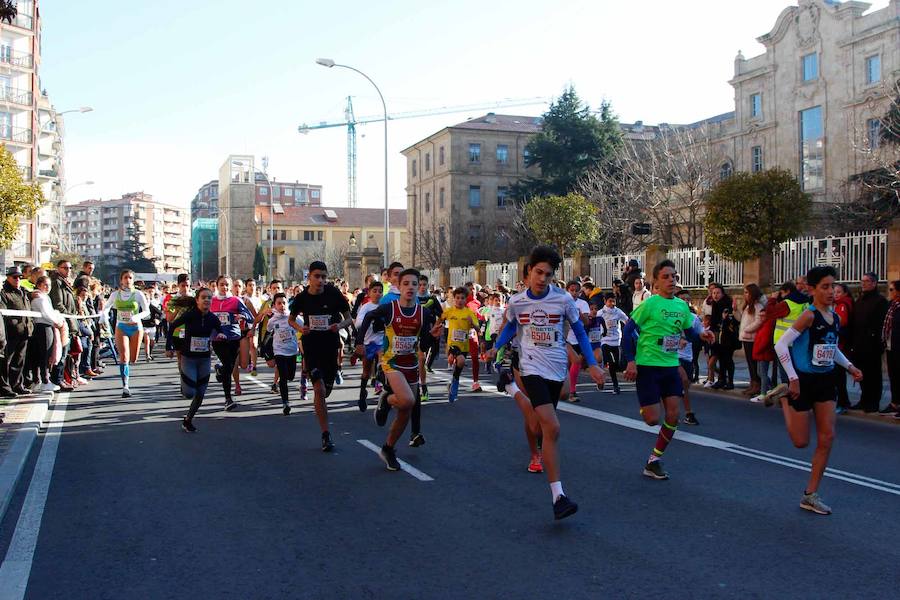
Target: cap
pixel 13 270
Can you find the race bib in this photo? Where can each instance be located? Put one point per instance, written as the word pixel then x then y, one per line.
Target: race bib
pixel 459 335
pixel 180 333
pixel 125 316
pixel 319 322
pixel 823 355
pixel 199 344
pixel 404 344
pixel 224 318
pixel 595 335
pixel 543 336
pixel 284 336
pixel 671 343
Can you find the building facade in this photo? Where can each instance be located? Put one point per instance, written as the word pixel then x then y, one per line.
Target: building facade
pixel 205 204
pixel 458 184
pixel 97 229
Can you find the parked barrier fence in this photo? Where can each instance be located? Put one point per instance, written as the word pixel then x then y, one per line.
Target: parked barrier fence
pixel 852 255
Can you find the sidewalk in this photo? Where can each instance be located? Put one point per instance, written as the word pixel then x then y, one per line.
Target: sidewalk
pixel 18 433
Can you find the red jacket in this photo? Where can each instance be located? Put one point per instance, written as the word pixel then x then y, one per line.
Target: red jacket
pixel 843 307
pixel 763 346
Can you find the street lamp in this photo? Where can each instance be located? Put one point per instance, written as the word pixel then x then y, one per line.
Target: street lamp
pixel 327 62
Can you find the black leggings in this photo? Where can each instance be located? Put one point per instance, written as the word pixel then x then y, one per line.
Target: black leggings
pixel 287 370
pixel 38 353
pixel 751 364
pixel 431 347
pixel 726 365
pixel 227 351
pixel 611 358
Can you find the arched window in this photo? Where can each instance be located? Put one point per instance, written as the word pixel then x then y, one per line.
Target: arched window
pixel 725 170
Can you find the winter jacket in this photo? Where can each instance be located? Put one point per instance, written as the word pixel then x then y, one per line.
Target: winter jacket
pixel 866 322
pixel 844 308
pixel 763 346
pixel 15 298
pixel 62 296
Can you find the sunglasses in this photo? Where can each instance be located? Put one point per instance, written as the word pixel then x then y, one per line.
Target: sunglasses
pixel 15 276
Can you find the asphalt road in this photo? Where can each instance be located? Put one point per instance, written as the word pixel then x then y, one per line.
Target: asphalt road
pixel 250 507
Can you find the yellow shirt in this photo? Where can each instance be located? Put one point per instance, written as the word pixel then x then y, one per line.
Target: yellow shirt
pixel 459 321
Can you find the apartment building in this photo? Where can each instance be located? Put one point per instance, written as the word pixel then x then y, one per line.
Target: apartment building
pixel 97 229
pixel 205 204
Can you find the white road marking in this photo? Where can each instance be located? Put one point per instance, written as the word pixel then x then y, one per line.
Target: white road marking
pixel 16 567
pixel 403 465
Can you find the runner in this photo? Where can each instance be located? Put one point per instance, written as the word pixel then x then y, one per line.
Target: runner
pixel 176 305
pixel 284 345
pixel 808 352
pixel 253 303
pixel 613 317
pixel 325 311
pixel 573 350
pixel 369 340
pixel 660 321
pixel 264 343
pixel 511 383
pixel 461 320
pixel 403 320
pixel 537 316
pixel 429 345
pixel 197 325
pixel 131 307
pixel 686 362
pixel 473 304
pixel 231 313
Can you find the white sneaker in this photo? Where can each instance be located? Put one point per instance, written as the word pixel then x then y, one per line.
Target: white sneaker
pixel 49 387
pixel 757 399
pixel 708 383
pixel 82 381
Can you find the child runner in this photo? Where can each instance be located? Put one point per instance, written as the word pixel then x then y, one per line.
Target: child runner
pixel 284 345
pixel 131 307
pixel 371 341
pixel 231 313
pixel 613 317
pixel 808 352
pixel 575 351
pixel 461 320
pixel 686 361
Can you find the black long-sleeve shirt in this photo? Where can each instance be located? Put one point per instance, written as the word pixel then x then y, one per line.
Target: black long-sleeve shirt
pixel 198 332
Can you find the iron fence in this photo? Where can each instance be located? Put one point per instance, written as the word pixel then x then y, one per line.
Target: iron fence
pixel 852 255
pixel 606 268
pixel 698 267
pixel 459 275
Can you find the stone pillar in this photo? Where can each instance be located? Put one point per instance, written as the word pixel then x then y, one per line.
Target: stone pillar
pixel 445 277
pixel 480 272
pixel 893 251
pixel 581 264
pixel 353 271
pixel 371 260
pixel 652 256
pixel 759 271
pixel 520 272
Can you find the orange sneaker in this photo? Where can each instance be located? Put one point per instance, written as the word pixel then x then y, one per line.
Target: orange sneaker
pixel 535 465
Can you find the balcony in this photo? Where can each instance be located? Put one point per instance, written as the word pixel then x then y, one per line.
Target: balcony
pixel 13 95
pixel 21 250
pixel 51 173
pixel 26 173
pixel 16 135
pixel 24 21
pixel 21 60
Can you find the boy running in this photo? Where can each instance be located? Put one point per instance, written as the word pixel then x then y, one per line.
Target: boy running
pixel 371 341
pixel 461 320
pixel 284 345
pixel 613 317
pixel 575 351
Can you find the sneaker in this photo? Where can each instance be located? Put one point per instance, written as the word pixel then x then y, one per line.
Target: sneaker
pixel 758 399
pixel 382 410
pixel 275 389
pixel 504 379
pixel 126 393
pixel 654 470
pixel 253 371
pixel 889 410
pixel 48 387
pixel 339 378
pixel 535 466
pixel 286 410
pixel 813 503
pixel 187 426
pixel 773 395
pixel 218 370
pixel 327 444
pixel 840 410
pixel 417 440
pixel 728 386
pixel 389 456
pixel 424 395
pixel 708 383
pixel 717 385
pixel 690 419
pixel 563 507
pixel 230 405
pixel 616 389
pixel 476 387
pixel 378 387
pixel 453 390
pixel 363 396
pixel 82 381
pixel 573 397
pixel 429 370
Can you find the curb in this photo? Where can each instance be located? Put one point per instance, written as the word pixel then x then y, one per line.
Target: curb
pixel 13 462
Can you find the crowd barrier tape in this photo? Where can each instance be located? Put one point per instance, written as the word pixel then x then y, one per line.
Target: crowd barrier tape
pixel 30 313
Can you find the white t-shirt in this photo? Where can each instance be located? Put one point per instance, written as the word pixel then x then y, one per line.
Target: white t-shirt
pixel 613 317
pixel 687 353
pixel 639 296
pixel 541 336
pixel 583 309
pixel 284 337
pixel 371 336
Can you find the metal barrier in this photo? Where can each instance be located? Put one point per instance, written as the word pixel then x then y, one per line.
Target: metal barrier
pixel 505 273
pixel 459 275
pixel 433 275
pixel 698 267
pixel 606 268
pixel 852 255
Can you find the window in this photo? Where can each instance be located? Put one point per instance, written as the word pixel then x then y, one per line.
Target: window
pixel 441 155
pixel 755 106
pixel 276 192
pixel 873 69
pixel 309 236
pixel 812 148
pixel 474 232
pixel 873 132
pixel 427 201
pixel 428 238
pixel 320 235
pixel 756 159
pixel 288 192
pixel 314 194
pixel 442 235
pixel 810 66
pixel 725 170
pixel 300 197
pixel 474 153
pixel 427 161
pixel 263 191
pixel 284 234
pixel 502 193
pixel 474 196
pixel 441 198
pixel 526 156
pixel 292 265
pixel 501 240
pixel 415 168
pixel 502 153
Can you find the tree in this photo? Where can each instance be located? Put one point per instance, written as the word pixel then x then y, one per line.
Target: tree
pixel 748 215
pixel 76 259
pixel 564 222
pixel 881 149
pixel 8 11
pixel 573 140
pixel 260 266
pixel 18 200
pixel 133 254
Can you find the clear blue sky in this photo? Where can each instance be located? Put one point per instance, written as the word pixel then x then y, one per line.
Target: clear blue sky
pixel 178 85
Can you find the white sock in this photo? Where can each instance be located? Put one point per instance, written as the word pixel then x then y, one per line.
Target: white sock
pixel 512 389
pixel 556 490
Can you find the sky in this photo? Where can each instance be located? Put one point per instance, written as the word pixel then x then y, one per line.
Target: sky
pixel 178 85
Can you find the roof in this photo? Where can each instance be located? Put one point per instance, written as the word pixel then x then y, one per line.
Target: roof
pixel 341 217
pixel 495 122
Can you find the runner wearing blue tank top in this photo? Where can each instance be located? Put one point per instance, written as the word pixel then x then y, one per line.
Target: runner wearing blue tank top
pixel 808 352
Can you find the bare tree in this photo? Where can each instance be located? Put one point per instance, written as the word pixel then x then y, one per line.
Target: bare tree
pixel 661 181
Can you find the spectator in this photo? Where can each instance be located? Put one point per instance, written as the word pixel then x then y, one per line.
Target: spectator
pixel 18 330
pixel 751 321
pixel 763 344
pixel 27 280
pixel 623 296
pixel 866 323
pixel 62 296
pixel 728 340
pixel 890 335
pixel 40 346
pixel 631 273
pixel 843 307
pixel 82 369
pixel 717 302
pixel 87 269
pixel 640 292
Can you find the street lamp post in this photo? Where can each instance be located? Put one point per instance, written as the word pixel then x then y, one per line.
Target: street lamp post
pixel 327 62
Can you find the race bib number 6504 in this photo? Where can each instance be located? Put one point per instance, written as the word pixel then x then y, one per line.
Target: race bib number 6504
pixel 544 336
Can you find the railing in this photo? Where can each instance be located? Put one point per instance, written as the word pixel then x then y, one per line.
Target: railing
pixel 21 250
pixel 433 275
pixel 48 173
pixel 568 268
pixel 22 60
pixel 16 96
pixel 24 21
pixel 18 135
pixel 459 275
pixel 852 255
pixel 606 268
pixel 505 273
pixel 698 267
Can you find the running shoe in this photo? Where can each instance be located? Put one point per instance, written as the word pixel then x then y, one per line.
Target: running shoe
pixel 417 440
pixel 690 419
pixel 654 470
pixel 230 405
pixel 274 388
pixel 758 399
pixel 218 369
pixel 237 389
pixel 126 393
pixel 378 387
pixel 339 378
pixel 286 410
pixel 889 410
pixel 363 395
pixel 476 387
pixel 423 396
pixel 453 390
pixel 812 502
pixel 573 398
pixel 429 370
pixel 535 466
pixel 840 410
pixel 504 379
pixel 82 381
pixel 563 507
pixel 389 456
pixel 773 395
pixel 382 410
pixel 708 383
pixel 188 427
pixel 728 386
pixel 327 444
pixel 49 387
pixel 253 371
pixel 717 385
pixel 616 389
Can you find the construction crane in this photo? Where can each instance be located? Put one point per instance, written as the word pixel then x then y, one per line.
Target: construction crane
pixel 350 122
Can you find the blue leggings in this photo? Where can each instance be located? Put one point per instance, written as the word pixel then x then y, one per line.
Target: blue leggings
pixel 194 379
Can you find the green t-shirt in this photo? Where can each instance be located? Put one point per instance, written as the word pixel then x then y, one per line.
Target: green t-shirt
pixel 661 321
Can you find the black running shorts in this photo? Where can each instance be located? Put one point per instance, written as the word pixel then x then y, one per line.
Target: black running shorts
pixel 542 391
pixel 814 388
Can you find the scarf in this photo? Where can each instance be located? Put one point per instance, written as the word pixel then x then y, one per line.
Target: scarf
pixel 889 322
pixel 218 297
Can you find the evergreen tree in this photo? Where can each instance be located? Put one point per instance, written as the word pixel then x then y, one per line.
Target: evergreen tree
pixel 260 266
pixel 134 253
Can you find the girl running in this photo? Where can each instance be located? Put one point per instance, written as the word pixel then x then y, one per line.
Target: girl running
pixel 131 307
pixel 231 313
pixel 284 346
